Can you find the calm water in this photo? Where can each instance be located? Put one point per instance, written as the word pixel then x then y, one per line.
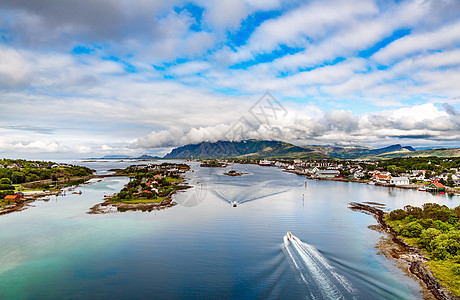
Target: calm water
pixel 204 247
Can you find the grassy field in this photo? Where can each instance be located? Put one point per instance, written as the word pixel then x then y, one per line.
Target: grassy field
pixel 137 201
pixel 444 271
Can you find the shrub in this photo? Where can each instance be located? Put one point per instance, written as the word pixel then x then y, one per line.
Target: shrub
pixel 427 237
pixel 440 225
pixel 398 214
pixel 5 181
pixel 426 223
pixel 412 230
pixel 446 245
pixel 6 192
pixel 4 187
pixel 456 269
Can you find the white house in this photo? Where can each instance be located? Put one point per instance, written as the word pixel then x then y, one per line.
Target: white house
pixel 328 173
pixel 399 181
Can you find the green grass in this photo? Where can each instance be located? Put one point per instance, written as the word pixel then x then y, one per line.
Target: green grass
pixel 171 179
pixel 137 201
pixel 443 270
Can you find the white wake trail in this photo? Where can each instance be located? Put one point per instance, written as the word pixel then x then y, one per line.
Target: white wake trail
pixel 316 273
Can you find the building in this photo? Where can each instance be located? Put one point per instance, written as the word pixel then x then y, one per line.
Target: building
pixel 399 181
pixel 13 198
pixel 383 178
pixel 436 187
pixel 328 173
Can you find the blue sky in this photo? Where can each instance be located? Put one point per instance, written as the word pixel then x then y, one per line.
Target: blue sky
pixel 130 77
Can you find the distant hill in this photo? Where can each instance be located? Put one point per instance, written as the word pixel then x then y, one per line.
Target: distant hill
pixel 357 151
pixel 116 157
pixel 445 152
pixel 145 156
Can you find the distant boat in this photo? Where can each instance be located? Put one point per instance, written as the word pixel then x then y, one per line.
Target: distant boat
pixel 265 163
pixel 234 203
pixel 289 236
pixel 371 183
pixel 78 193
pixel 422 189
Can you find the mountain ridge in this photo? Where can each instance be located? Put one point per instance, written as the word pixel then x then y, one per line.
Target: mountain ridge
pixel 276 149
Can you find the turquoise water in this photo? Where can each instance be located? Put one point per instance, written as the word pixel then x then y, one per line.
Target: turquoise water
pixel 204 247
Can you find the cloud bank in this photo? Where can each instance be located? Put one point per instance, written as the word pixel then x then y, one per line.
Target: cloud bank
pixel 100 76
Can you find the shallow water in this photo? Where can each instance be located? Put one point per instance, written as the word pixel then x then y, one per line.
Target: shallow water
pixel 204 247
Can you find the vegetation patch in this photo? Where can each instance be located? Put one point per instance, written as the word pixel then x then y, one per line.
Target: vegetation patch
pixel 436 230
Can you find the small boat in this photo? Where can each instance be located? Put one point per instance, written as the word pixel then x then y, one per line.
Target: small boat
pixel 234 203
pixel 422 189
pixel 78 193
pixel 289 236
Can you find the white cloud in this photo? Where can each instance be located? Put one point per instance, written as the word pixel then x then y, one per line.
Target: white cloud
pixel 448 36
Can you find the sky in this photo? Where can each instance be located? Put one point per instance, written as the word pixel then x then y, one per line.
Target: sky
pixel 90 78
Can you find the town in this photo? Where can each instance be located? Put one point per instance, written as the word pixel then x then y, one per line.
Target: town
pixel 431 174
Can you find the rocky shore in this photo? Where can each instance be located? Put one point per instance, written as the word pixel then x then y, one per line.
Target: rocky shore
pixel 412 256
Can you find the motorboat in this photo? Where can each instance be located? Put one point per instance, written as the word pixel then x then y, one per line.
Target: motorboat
pixel 234 203
pixel 289 236
pixel 422 189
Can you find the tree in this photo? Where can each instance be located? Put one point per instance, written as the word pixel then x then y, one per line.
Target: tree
pixel 412 230
pixel 5 181
pixel 427 237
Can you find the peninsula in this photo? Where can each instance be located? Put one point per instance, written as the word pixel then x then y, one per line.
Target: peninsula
pixel 151 187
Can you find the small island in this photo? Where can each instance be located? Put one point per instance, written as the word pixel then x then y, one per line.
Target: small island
pixel 234 173
pixel 150 188
pixel 213 164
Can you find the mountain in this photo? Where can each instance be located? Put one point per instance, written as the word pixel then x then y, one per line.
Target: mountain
pixel 276 149
pixel 243 149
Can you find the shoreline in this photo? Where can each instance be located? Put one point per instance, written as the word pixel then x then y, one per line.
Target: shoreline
pixel 449 190
pixel 413 258
pixel 32 196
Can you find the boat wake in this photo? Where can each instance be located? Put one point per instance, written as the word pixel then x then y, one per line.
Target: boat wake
pixel 260 191
pixel 319 277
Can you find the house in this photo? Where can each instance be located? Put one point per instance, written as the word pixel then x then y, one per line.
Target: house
pixel 436 187
pixel 328 173
pixel 399 181
pixel 383 178
pixel 14 198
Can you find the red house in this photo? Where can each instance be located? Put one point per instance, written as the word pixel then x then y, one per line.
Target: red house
pixel 14 198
